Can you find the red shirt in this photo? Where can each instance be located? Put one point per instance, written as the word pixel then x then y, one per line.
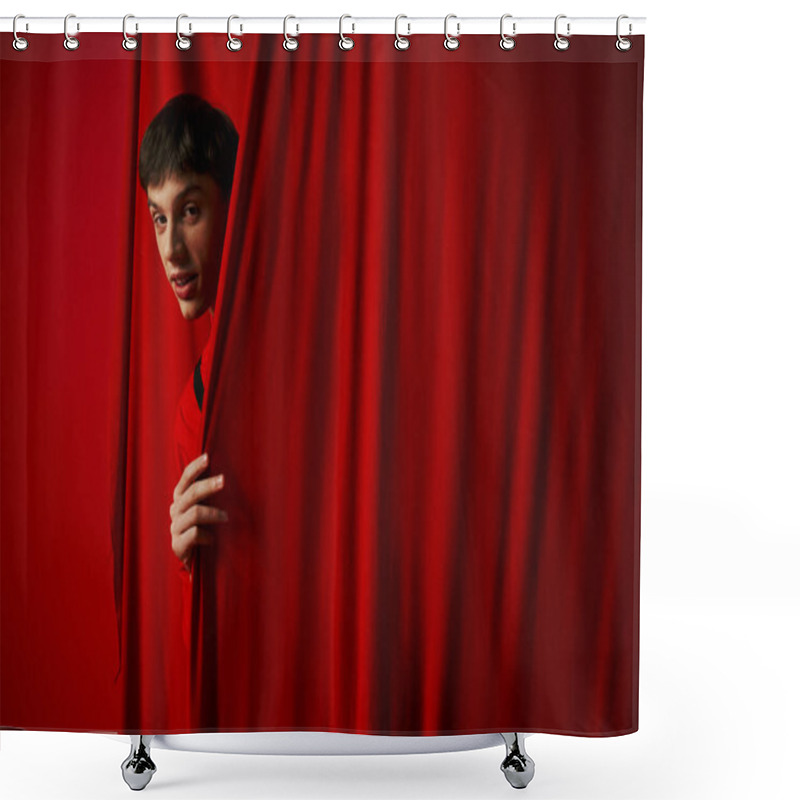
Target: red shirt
pixel 188 419
pixel 188 415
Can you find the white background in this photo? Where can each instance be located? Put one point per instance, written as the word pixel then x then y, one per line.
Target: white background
pixel 720 449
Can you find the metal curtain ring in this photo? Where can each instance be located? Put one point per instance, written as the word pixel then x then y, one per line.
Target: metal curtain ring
pixel 19 43
pixel 182 42
pixel 451 42
pixel 507 42
pixel 345 42
pixel 128 42
pixel 234 44
pixel 289 42
pixel 623 45
pixel 70 42
pixel 561 43
pixel 400 42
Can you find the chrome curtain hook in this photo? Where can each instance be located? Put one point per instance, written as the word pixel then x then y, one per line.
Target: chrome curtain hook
pixel 400 42
pixel 507 42
pixel 70 42
pixel 451 42
pixel 623 45
pixel 345 42
pixel 561 43
pixel 182 42
pixel 129 42
pixel 19 43
pixel 234 44
pixel 289 42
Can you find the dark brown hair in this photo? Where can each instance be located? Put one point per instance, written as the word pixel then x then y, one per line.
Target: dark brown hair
pixel 189 135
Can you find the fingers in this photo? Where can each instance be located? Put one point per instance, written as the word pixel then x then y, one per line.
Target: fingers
pixel 188 514
pixel 193 470
pixel 184 544
pixel 195 493
pixel 195 516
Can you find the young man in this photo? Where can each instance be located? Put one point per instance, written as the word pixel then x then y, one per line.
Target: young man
pixel 186 165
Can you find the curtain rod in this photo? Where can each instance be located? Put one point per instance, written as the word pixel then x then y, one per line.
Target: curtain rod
pixel 630 26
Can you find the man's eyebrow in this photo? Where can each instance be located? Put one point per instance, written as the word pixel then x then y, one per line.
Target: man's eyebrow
pixel 188 190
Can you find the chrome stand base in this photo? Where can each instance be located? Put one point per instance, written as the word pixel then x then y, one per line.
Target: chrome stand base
pixel 518 766
pixel 138 768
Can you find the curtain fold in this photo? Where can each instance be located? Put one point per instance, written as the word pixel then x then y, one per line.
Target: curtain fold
pixel 421 381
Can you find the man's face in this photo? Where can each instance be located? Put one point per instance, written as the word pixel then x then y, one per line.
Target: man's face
pixel 189 216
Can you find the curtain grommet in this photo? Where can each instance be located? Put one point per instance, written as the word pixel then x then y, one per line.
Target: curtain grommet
pixel 128 42
pixel 289 42
pixel 507 42
pixel 401 42
pixel 561 43
pixel 70 42
pixel 623 44
pixel 451 42
pixel 234 44
pixel 345 42
pixel 19 44
pixel 182 42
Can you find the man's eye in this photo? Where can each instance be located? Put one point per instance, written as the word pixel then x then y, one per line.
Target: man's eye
pixel 192 211
pixel 159 219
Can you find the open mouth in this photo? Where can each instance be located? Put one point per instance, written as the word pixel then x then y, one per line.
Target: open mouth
pixel 185 287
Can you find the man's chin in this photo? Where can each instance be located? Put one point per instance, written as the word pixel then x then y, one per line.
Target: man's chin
pixel 192 310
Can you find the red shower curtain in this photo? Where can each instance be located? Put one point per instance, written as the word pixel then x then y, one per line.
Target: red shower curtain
pixel 422 383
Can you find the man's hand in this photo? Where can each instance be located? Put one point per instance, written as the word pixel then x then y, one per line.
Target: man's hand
pixel 189 517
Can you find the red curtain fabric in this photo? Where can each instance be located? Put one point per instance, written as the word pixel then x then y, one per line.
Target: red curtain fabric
pixel 421 381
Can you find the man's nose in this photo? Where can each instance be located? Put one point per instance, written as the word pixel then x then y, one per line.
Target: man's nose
pixel 176 247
